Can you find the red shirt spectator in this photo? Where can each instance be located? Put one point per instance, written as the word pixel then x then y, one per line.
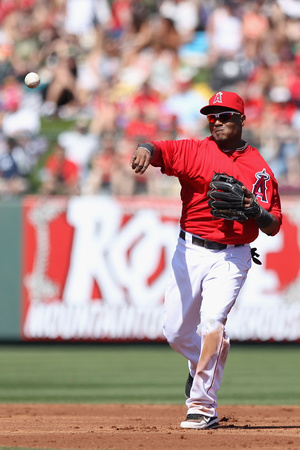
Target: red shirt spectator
pixel 61 174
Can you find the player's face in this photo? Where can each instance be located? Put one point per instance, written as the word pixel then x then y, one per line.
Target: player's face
pixel 226 129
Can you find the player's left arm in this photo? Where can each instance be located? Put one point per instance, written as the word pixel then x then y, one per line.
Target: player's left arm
pixel 267 222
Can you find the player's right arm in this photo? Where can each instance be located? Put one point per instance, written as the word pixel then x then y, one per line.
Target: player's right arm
pixel 142 157
pixel 174 157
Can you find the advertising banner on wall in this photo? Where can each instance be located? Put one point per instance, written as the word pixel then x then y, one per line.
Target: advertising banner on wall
pixel 95 269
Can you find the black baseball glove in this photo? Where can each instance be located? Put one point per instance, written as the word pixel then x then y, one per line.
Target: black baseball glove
pixel 227 199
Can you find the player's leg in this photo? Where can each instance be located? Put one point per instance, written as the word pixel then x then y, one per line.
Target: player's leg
pixel 183 302
pixel 219 290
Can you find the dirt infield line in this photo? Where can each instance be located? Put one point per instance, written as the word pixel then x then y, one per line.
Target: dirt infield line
pixel 122 427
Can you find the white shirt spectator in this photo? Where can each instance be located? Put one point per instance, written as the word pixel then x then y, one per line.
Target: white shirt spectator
pixel 80 146
pixel 81 15
pixel 225 32
pixel 184 13
pixel 25 120
pixel 290 7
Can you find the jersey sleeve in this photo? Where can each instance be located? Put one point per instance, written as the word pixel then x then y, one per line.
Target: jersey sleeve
pixel 175 157
pixel 275 207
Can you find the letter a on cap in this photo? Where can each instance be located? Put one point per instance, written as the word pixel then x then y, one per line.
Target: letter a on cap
pixel 218 97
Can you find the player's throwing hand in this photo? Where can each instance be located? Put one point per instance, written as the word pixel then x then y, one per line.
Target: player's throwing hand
pixel 141 158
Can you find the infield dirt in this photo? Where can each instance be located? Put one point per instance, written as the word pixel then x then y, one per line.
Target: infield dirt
pixel 82 426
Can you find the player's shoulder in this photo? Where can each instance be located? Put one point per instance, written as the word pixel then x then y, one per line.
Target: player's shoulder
pixel 200 143
pixel 182 145
pixel 190 143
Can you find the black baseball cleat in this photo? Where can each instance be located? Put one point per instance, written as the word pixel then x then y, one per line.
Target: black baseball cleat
pixel 200 422
pixel 188 386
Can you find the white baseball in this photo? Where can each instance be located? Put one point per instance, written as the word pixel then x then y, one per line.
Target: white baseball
pixel 32 80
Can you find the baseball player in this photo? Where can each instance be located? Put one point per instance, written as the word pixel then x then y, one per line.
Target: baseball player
pixel 228 194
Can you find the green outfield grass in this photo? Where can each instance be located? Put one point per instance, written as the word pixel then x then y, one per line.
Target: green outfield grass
pixel 254 374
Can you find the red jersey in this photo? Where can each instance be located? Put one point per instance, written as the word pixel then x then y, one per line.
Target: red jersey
pixel 194 163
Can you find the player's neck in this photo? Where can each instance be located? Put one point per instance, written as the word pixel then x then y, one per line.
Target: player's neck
pixel 231 147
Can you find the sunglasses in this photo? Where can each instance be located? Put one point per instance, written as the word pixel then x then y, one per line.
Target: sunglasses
pixel 223 117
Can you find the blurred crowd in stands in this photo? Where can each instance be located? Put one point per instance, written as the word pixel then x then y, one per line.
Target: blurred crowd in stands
pixel 118 72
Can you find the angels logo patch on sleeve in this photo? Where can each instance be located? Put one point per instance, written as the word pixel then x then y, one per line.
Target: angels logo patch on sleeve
pixel 260 186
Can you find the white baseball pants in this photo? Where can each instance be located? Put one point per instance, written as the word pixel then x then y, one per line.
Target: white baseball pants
pixel 203 287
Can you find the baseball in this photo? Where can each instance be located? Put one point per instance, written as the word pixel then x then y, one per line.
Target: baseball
pixel 32 80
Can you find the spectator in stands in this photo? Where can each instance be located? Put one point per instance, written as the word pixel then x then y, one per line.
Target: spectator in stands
pixel 184 14
pixel 80 145
pixel 81 21
pixel 60 176
pixel 122 181
pixel 13 180
pixel 101 167
pixel 167 32
pixel 224 32
pixel 184 105
pixel 117 56
pixel 61 90
pixel 99 69
pixel 105 116
pixel 255 27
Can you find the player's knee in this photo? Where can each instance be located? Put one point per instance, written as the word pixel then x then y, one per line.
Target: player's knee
pixel 212 332
pixel 211 324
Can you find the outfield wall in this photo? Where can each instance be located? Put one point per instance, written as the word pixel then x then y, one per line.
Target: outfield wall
pixel 95 269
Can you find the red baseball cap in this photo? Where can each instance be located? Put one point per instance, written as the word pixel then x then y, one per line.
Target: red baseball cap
pixel 229 100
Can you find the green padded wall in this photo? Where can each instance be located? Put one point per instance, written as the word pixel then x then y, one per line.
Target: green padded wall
pixel 10 269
